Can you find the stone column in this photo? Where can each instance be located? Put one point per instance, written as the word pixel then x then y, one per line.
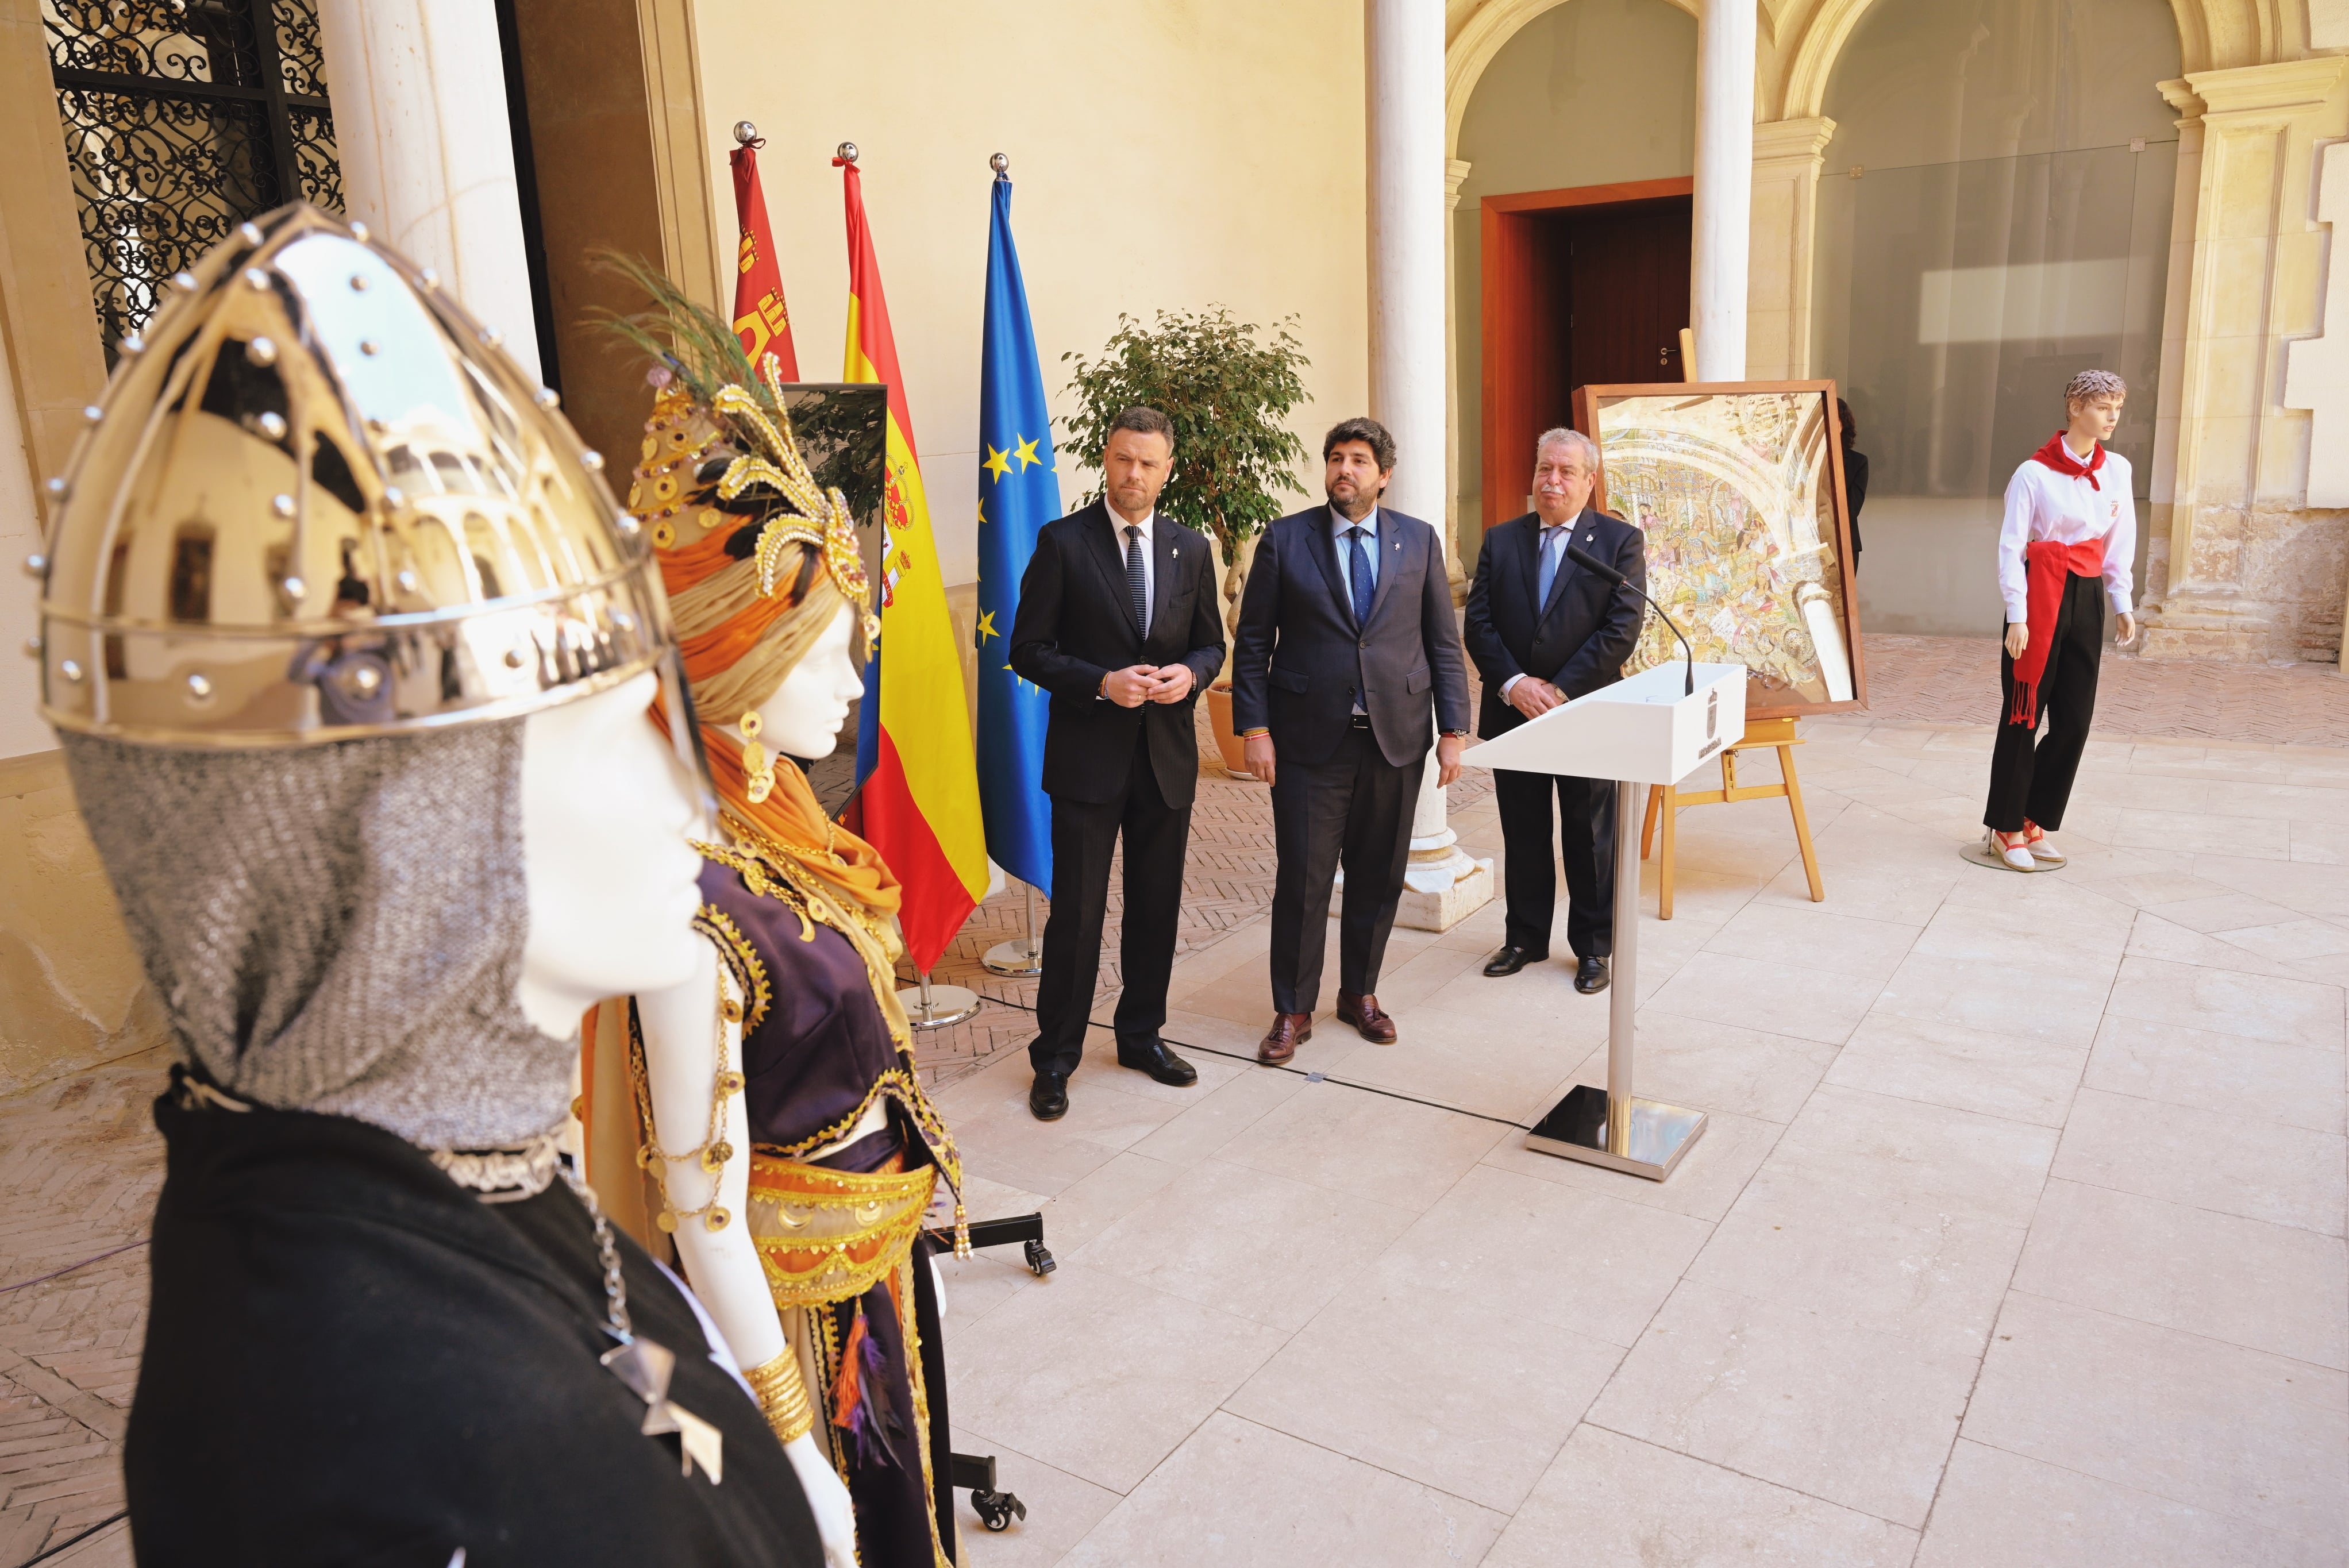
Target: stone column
pixel 1722 226
pixel 1787 154
pixel 2247 573
pixel 1409 307
pixel 1456 169
pixel 420 95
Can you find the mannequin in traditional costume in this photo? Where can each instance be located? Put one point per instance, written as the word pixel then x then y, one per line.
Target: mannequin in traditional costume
pixel 2067 548
pixel 386 1324
pixel 795 1150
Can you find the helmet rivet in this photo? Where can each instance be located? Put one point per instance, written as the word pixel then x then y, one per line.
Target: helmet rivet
pixel 184 282
pixel 132 343
pixel 256 279
pixel 261 351
pixel 591 460
pixel 91 413
pixel 359 231
pixel 491 337
pixel 281 505
pixel 200 687
pixel 55 485
pixel 546 397
pixel 393 498
pixel 514 658
pixel 35 565
pixel 249 232
pixel 370 346
pixel 429 278
pixel 33 647
pixel 358 282
pixel 407 580
pixel 71 670
pixel 272 424
pixel 295 587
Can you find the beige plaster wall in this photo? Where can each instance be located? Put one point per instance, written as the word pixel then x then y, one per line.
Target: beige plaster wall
pixel 1174 156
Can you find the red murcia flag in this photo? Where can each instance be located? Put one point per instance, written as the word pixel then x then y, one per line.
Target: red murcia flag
pixel 760 319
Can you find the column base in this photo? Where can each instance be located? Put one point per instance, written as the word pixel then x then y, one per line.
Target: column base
pixel 1442 885
pixel 2187 624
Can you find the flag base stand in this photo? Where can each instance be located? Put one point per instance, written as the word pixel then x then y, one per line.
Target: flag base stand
pixel 1021 957
pixel 929 1007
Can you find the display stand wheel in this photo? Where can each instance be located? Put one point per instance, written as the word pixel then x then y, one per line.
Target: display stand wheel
pixel 998 1508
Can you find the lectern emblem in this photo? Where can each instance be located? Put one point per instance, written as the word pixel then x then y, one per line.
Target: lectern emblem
pixel 1711 713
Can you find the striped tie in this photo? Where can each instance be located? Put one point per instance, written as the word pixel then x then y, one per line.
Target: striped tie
pixel 1136 583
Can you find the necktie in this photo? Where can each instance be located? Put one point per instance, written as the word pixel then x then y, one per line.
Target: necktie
pixel 1549 548
pixel 1137 585
pixel 1358 573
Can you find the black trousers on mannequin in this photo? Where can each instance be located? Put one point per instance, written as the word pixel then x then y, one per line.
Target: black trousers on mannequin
pixel 1353 809
pixel 2030 777
pixel 1084 837
pixel 1585 846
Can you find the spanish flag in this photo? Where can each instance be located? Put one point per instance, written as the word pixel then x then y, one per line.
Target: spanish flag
pixel 760 319
pixel 919 778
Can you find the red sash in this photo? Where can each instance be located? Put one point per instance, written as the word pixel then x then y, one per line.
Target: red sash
pixel 2046 566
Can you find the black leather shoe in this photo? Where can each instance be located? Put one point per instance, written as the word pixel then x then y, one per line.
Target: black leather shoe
pixel 1048 1096
pixel 1162 1065
pixel 1511 959
pixel 1590 976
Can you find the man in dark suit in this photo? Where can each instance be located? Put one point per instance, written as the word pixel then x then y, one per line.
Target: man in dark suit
pixel 1346 662
pixel 1119 619
pixel 1544 631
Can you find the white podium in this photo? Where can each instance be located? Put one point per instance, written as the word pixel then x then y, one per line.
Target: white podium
pixel 1647 729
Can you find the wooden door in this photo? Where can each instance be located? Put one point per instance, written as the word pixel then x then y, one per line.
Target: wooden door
pixel 1626 286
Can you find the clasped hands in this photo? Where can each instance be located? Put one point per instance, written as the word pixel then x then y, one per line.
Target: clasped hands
pixel 1137 684
pixel 1533 696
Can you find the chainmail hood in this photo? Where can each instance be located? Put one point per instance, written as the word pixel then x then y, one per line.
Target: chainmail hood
pixel 339 928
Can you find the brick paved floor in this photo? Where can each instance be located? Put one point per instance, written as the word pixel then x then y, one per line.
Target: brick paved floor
pixel 80 1162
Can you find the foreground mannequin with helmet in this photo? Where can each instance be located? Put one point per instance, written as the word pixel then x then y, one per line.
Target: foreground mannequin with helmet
pixel 786 1128
pixel 386 1322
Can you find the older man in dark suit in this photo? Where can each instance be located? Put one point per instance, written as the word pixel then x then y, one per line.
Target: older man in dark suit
pixel 1543 631
pixel 1120 621
pixel 1346 662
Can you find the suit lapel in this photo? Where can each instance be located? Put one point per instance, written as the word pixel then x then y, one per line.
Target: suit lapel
pixel 1101 528
pixel 1391 555
pixel 1527 543
pixel 1325 554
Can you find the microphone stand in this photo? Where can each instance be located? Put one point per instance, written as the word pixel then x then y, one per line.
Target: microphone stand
pixel 1590 562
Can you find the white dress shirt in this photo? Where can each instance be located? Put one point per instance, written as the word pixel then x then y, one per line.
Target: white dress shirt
pixel 1118 525
pixel 1338 523
pixel 2044 504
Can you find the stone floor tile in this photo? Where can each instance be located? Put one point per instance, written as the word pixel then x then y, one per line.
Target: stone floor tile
pixel 1611 1501
pixel 1907 897
pixel 2157 938
pixel 1874 1146
pixel 1240 1495
pixel 1215 1118
pixel 2225 912
pixel 1893 1263
pixel 1470 1063
pixel 2218 1075
pixel 1794 1396
pixel 1422 1367
pixel 2258 1007
pixel 2269 1287
pixel 1375 1146
pixel 1999 1510
pixel 2152 889
pixel 1061 1508
pixel 1103 1197
pixel 2292 939
pixel 1701 889
pixel 2259 1169
pixel 2310 889
pixel 1258 1245
pixel 1777 998
pixel 1013 1148
pixel 2257 1438
pixel 1100 1069
pixel 2204 833
pixel 2284 801
pixel 2320 843
pixel 1811 936
pixel 2024 942
pixel 1703 1185
pixel 1964 1069
pixel 1100 1376
pixel 1705 1065
pixel 2053 1008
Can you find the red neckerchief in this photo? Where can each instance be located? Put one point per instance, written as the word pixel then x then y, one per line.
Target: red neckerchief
pixel 2058 456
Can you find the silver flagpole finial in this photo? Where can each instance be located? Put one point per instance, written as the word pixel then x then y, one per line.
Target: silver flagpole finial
pixel 1001 165
pixel 745 133
pixel 846 152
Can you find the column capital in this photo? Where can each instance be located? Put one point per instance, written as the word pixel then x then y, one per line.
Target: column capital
pixel 1456 169
pixel 2181 95
pixel 2295 87
pixel 1793 141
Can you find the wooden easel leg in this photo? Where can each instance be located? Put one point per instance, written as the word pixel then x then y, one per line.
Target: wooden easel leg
pixel 1802 823
pixel 1668 813
pixel 1648 829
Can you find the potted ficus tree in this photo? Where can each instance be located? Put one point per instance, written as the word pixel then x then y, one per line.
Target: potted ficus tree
pixel 1228 386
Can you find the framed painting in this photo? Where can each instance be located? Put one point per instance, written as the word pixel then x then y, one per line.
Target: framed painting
pixel 1738 487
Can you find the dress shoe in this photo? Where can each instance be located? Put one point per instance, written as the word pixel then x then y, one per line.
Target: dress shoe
pixel 1590 976
pixel 1511 959
pixel 1289 1031
pixel 1362 1012
pixel 1048 1096
pixel 1163 1066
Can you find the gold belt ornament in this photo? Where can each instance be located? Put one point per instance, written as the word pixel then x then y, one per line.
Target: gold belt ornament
pixel 827 1235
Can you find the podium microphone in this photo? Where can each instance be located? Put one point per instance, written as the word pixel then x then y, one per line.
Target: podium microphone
pixel 1590 562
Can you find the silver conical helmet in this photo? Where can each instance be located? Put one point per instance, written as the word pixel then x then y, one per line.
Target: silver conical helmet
pixel 319 502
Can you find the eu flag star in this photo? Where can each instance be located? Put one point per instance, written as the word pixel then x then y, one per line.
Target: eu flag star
pixel 997 463
pixel 987 627
pixel 1025 452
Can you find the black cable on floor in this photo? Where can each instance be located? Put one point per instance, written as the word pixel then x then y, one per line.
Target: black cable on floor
pixel 77 1539
pixel 1307 1077
pixel 69 1268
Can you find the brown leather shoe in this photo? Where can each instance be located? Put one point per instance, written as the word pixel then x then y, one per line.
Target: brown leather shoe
pixel 1289 1031
pixel 1362 1012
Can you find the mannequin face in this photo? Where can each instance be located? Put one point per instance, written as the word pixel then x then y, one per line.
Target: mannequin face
pixel 804 716
pixel 614 884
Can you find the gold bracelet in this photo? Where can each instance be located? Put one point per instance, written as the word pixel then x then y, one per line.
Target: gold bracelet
pixel 783 1396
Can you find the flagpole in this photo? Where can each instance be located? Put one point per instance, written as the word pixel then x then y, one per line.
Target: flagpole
pixel 1022 956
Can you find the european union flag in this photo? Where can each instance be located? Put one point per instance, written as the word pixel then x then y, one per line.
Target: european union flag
pixel 1019 493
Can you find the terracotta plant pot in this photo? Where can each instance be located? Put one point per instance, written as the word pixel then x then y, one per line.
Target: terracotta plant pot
pixel 1219 715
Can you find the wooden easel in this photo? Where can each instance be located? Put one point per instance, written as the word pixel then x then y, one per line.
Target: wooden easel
pixel 1664 801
